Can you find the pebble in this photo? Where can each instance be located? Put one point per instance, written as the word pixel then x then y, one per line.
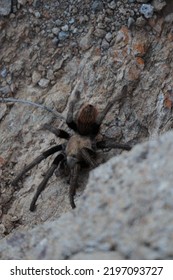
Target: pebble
pixel 43 83
pixel 105 45
pixel 36 77
pixel 55 41
pixel 37 14
pixel 108 37
pixel 75 30
pixel 147 10
pixel 55 30
pixel 130 22
pixel 112 5
pixel 169 18
pixel 50 75
pixel 141 21
pixel 97 6
pixel 5 7
pixel 63 35
pixel 100 33
pixel 71 21
pixel 86 42
pixel 58 22
pixel 3 73
pixel 65 28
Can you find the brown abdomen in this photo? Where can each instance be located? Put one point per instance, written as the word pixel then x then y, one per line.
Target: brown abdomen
pixel 86 119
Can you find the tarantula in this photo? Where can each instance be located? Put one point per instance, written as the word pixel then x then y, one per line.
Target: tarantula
pixel 80 148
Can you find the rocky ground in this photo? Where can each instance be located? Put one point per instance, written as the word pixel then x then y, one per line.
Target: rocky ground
pixel 49 48
pixel 125 213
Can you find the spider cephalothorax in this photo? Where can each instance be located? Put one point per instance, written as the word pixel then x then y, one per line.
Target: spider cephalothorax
pixel 80 147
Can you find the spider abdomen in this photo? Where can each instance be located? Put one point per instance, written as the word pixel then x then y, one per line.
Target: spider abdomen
pixel 86 119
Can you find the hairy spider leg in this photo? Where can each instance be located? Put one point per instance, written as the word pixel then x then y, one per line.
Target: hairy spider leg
pixel 70 120
pixel 110 143
pixel 36 161
pixel 48 174
pixel 102 114
pixel 58 132
pixel 73 183
pixel 100 117
pixel 85 154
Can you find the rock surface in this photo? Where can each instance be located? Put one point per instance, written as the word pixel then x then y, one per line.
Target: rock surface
pixel 5 7
pixel 124 213
pixel 105 45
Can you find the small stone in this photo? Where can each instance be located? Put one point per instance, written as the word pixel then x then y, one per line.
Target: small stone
pixel 112 5
pixel 71 21
pixel 36 77
pixel 37 14
pixel 12 16
pixel 169 18
pixel 85 42
pixel 43 83
pixel 147 10
pixel 58 22
pixel 55 30
pixel 65 28
pixel 83 19
pixel 123 36
pixel 130 22
pixel 108 37
pixel 13 87
pixel 105 45
pixel 97 6
pixel 55 41
pixel 3 72
pixel 75 30
pixel 100 33
pixel 141 21
pixel 5 7
pixel 63 35
pixel 50 75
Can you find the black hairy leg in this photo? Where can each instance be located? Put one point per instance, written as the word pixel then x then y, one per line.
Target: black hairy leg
pixel 87 157
pixel 70 114
pixel 58 132
pixel 47 176
pixel 100 117
pixel 36 161
pixel 110 143
pixel 73 183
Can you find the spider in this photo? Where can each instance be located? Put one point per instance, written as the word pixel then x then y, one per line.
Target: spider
pixel 80 147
